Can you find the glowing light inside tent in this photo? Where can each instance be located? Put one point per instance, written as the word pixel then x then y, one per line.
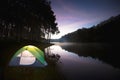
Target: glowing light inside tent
pixel 26 58
pixel 28 55
pixel 25 53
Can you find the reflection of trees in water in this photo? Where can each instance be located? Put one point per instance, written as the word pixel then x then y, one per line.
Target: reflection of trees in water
pixel 51 57
pixel 108 53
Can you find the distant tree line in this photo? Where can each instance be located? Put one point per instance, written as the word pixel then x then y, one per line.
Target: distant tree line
pixel 27 20
pixel 106 31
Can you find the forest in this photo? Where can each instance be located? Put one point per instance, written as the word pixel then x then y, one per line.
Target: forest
pixel 30 20
pixel 107 32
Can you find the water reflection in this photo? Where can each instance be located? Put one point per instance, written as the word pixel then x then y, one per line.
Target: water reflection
pixel 108 53
pixel 75 67
pixel 68 66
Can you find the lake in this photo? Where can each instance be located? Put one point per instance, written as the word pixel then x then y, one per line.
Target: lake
pixel 68 61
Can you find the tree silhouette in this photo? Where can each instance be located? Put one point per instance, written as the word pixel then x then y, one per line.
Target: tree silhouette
pixel 106 31
pixel 27 19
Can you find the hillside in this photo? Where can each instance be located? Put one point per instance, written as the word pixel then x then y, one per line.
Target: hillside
pixel 106 31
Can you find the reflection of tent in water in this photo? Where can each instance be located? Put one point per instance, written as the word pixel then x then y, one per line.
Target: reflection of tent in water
pixel 28 56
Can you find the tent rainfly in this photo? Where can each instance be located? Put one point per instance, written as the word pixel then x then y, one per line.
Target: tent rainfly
pixel 28 55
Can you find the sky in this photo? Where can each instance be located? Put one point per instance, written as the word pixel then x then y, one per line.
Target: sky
pixel 76 14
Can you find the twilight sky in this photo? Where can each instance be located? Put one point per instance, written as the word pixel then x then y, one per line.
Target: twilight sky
pixel 75 14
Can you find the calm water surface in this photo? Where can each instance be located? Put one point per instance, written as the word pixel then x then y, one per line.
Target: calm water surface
pixel 75 67
pixel 69 66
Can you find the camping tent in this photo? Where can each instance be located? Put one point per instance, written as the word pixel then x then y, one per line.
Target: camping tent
pixel 28 55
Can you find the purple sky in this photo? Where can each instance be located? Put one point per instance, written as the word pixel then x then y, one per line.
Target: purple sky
pixel 75 14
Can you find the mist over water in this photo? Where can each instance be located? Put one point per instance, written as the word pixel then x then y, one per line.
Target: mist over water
pixel 66 61
pixel 75 67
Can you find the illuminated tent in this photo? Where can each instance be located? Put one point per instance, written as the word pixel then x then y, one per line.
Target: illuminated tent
pixel 28 56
